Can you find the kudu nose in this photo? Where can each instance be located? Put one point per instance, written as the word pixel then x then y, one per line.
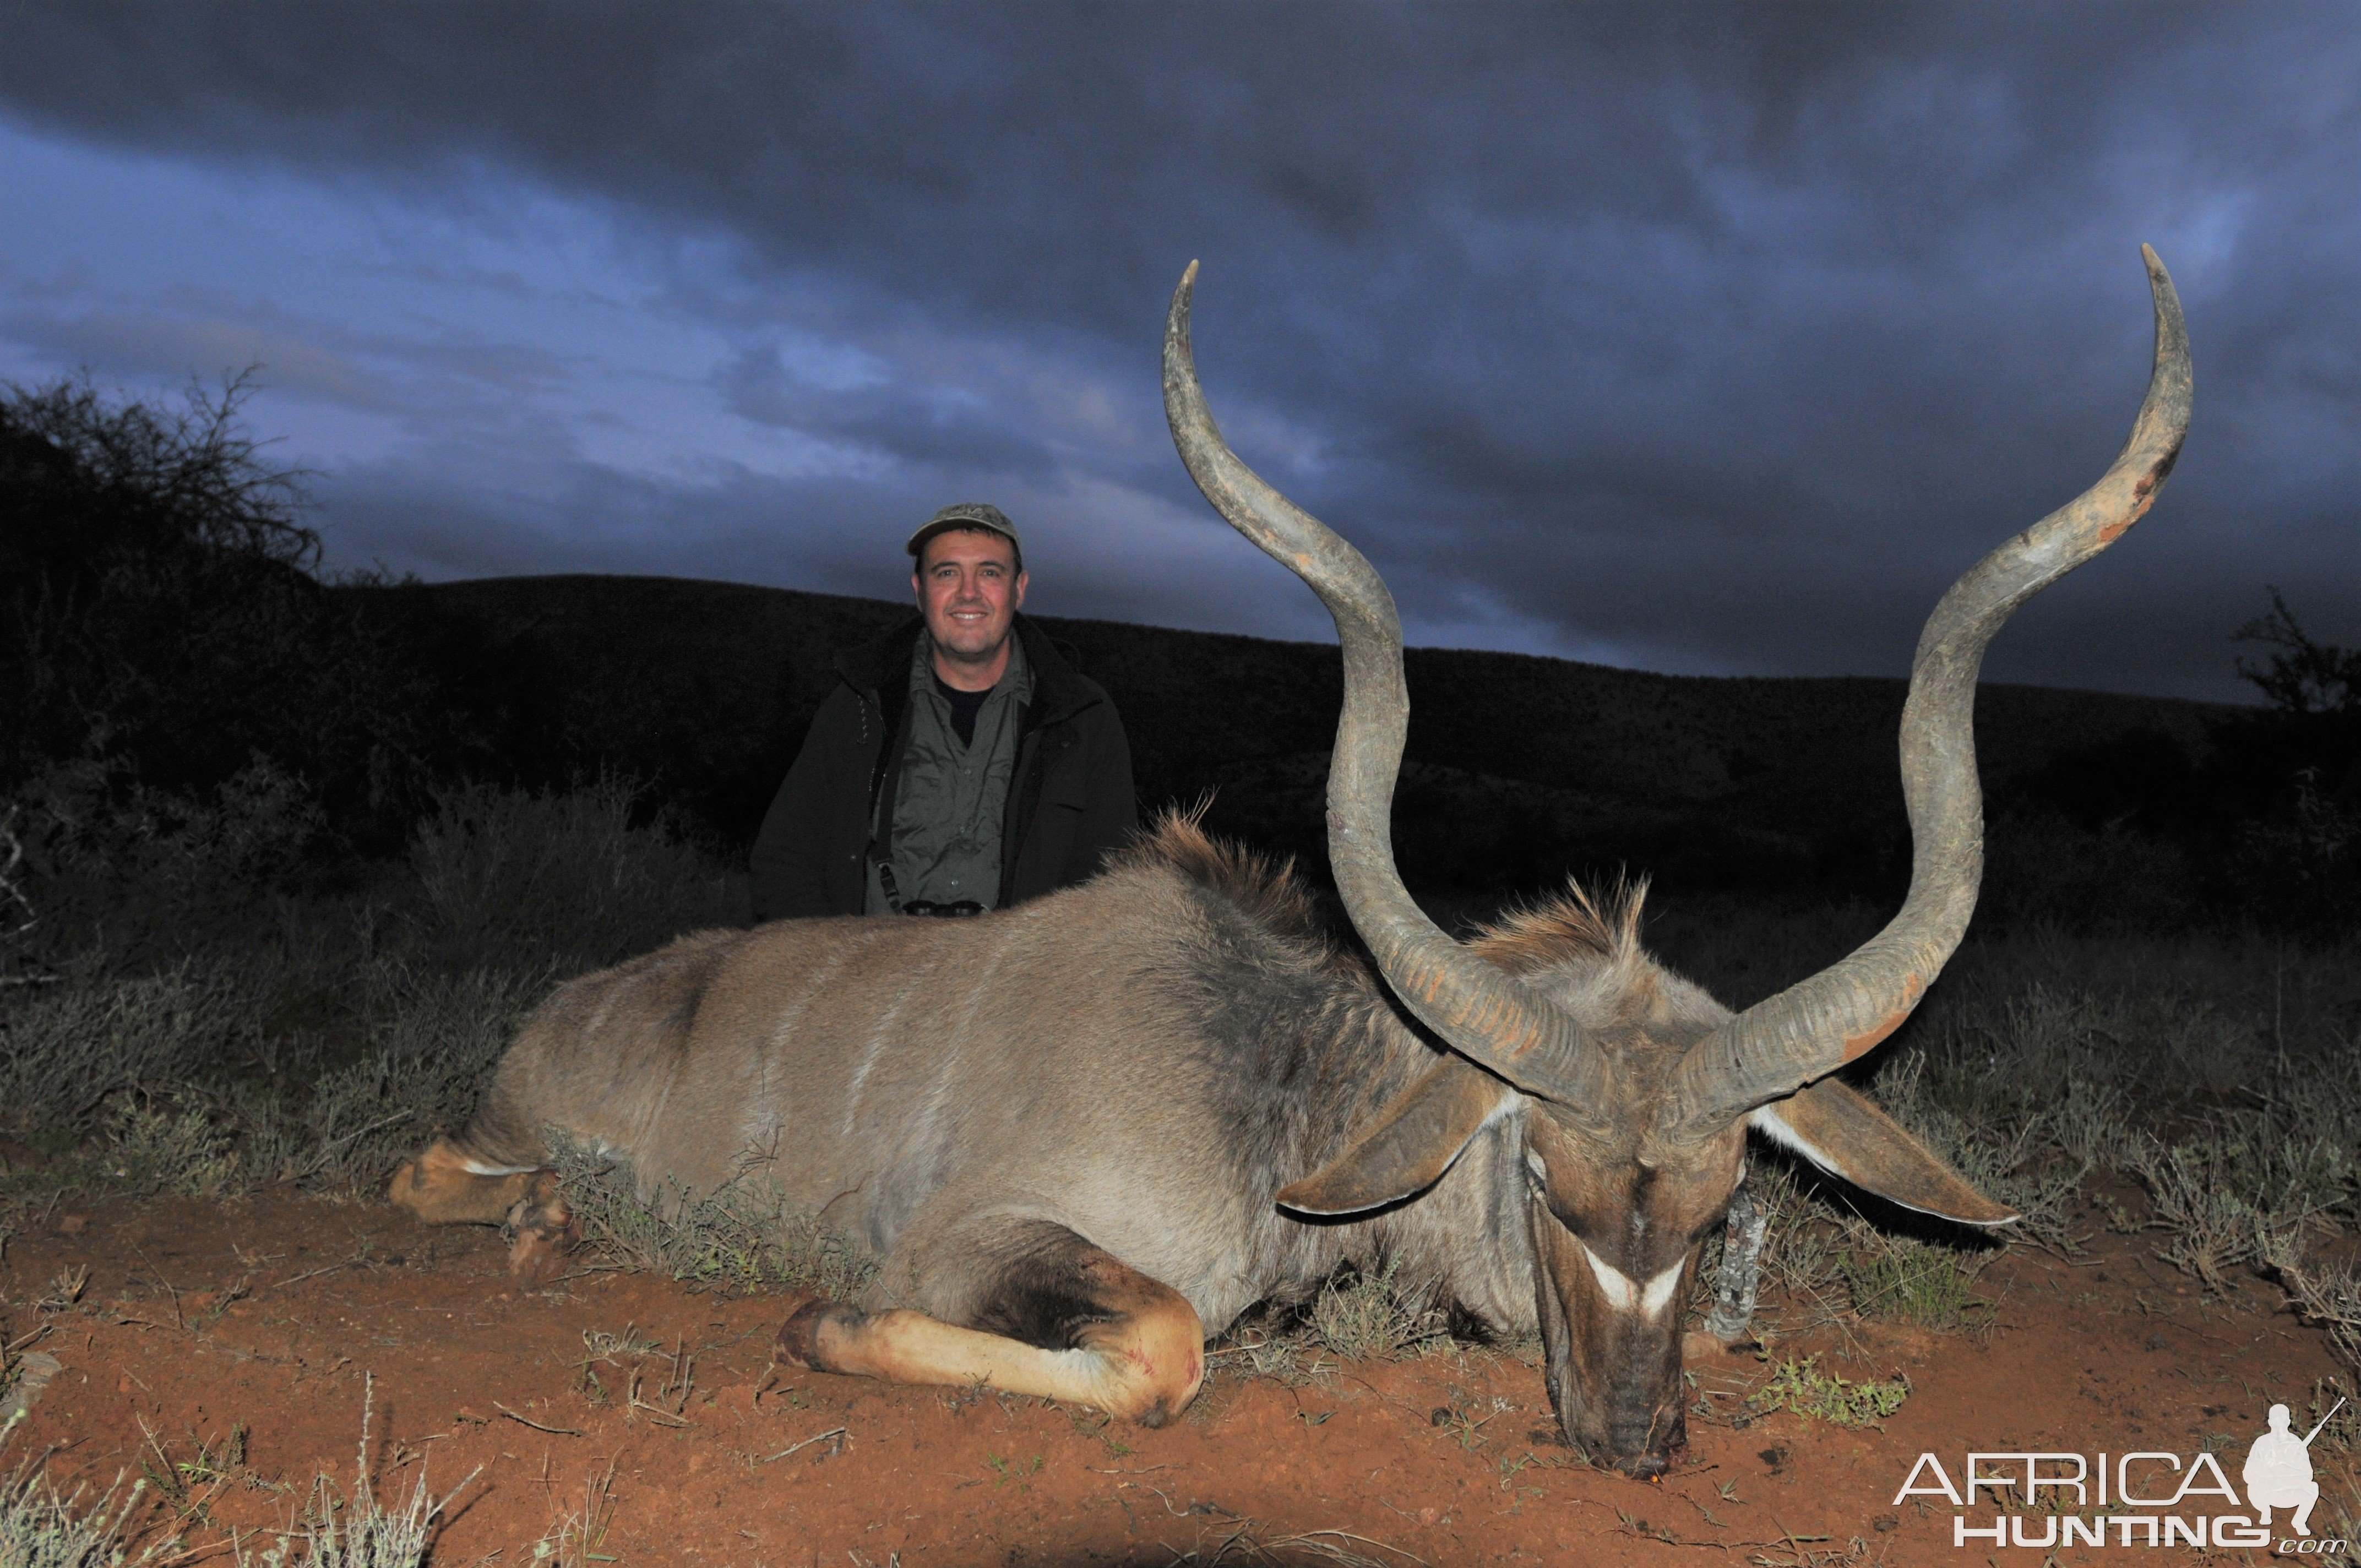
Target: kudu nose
pixel 1639 1450
pixel 1646 1450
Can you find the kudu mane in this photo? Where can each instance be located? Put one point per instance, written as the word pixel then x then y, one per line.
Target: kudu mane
pixel 1582 943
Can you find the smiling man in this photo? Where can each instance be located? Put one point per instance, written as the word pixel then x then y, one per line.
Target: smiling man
pixel 961 763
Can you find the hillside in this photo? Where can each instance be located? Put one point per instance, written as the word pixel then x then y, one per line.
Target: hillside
pixel 1519 767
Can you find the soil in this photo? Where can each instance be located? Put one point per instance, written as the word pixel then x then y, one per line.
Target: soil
pixel 282 1316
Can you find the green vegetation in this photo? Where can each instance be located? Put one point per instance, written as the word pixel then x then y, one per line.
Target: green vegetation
pixel 1803 1387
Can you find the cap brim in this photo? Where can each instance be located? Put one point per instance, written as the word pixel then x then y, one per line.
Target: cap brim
pixel 919 540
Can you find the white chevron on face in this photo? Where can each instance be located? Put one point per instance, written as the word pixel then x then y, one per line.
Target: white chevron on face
pixel 1625 1295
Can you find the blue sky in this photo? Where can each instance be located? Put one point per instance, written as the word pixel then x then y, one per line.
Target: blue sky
pixel 1711 340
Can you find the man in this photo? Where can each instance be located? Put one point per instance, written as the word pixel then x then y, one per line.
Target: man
pixel 962 763
pixel 2279 1473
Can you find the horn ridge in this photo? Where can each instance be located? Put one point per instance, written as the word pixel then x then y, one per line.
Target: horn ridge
pixel 1482 1011
pixel 1820 1022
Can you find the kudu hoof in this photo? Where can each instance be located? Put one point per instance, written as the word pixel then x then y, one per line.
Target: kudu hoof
pixel 798 1340
pixel 545 1232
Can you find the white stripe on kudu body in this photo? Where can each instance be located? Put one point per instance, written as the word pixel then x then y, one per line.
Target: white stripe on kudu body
pixel 477 1167
pixel 1623 1295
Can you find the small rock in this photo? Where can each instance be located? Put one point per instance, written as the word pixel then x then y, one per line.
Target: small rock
pixel 34 1370
pixel 72 1224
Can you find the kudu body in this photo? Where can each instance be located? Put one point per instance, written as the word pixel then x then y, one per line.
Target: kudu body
pixel 1085 1131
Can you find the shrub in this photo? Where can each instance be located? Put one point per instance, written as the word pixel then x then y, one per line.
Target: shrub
pixel 66 1048
pixel 337 1530
pixel 1369 1316
pixel 2289 779
pixel 163 618
pixel 1910 1281
pixel 145 869
pixel 42 1528
pixel 436 1038
pixel 510 877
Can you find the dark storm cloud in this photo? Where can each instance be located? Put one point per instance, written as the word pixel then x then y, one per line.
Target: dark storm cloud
pixel 1724 336
pixel 943 432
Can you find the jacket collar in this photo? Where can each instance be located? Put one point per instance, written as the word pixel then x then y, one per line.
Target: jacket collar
pixel 1059 689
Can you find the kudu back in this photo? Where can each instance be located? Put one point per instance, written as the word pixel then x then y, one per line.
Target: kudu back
pixel 1083 1131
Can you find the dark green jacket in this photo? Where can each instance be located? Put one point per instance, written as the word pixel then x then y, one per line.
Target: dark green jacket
pixel 1069 800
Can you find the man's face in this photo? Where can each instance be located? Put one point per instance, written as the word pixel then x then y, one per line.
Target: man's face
pixel 970 591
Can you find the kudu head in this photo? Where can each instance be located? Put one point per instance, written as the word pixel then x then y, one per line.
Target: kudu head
pixel 1634 1117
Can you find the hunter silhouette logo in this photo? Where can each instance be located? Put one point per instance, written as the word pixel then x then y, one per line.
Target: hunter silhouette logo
pixel 2278 1471
pixel 2142 1499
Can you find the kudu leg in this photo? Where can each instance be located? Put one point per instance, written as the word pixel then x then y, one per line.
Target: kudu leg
pixel 1741 1266
pixel 1061 1319
pixel 446 1186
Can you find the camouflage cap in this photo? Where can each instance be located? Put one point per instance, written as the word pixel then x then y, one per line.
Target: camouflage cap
pixel 970 514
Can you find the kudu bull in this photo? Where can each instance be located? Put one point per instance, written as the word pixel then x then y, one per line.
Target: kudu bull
pixel 1078 1131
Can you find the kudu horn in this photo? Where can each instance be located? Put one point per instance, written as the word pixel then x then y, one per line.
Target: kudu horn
pixel 1484 1013
pixel 1817 1025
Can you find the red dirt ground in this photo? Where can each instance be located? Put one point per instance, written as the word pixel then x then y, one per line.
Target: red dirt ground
pixel 1445 1460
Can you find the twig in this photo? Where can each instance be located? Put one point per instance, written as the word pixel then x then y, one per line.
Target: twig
pixel 330 1147
pixel 178 1320
pixel 662 1415
pixel 327 1268
pixel 833 1431
pixel 528 1420
pixel 1348 1535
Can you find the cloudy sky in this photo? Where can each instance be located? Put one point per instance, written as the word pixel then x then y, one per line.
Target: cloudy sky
pixel 1695 338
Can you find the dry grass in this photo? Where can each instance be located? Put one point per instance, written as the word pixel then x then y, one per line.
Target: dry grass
pixel 42 1528
pixel 745 1236
pixel 318 1047
pixel 339 1529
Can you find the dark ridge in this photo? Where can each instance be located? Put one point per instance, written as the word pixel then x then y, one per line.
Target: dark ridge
pixel 1520 770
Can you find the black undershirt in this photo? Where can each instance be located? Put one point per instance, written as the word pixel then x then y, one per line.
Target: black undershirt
pixel 965 706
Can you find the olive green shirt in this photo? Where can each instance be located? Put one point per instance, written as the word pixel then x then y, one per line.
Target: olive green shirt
pixel 953 805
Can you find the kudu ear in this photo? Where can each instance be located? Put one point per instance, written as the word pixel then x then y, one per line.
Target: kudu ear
pixel 1846 1136
pixel 1410 1145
